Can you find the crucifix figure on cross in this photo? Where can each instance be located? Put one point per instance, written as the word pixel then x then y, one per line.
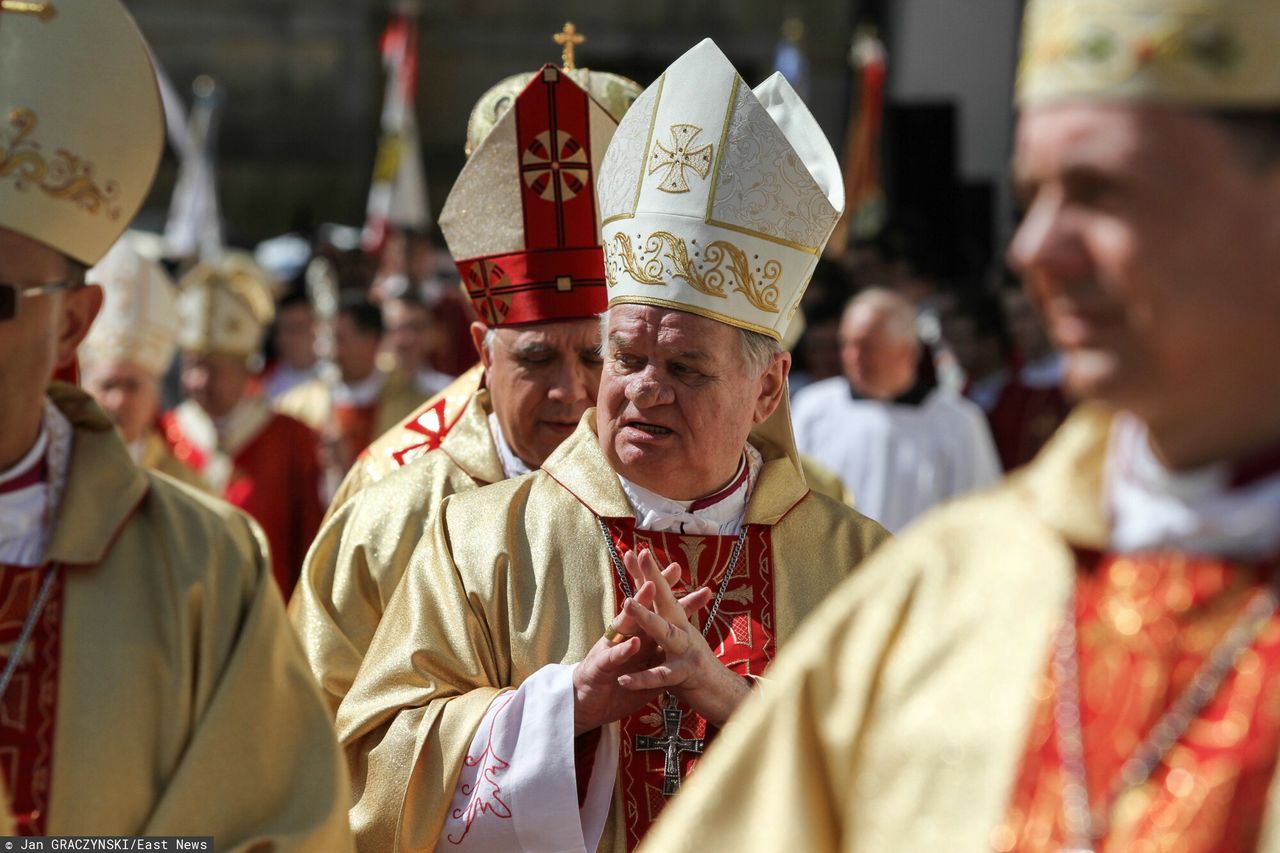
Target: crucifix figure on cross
pixel 43 10
pixel 568 38
pixel 672 745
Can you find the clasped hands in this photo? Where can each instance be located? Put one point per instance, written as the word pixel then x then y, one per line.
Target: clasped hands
pixel 663 650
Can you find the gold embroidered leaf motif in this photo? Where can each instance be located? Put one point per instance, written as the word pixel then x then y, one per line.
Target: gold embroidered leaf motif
pixel 723 264
pixel 627 257
pixel 65 176
pixel 680 156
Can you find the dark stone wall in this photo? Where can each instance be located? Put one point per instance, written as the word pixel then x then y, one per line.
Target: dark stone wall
pixel 303 82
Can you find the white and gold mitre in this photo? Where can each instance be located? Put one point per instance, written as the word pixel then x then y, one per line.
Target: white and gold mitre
pixel 224 308
pixel 717 199
pixel 1208 53
pixel 139 317
pixel 81 129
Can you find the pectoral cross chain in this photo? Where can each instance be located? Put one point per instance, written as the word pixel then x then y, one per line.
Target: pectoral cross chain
pixel 672 745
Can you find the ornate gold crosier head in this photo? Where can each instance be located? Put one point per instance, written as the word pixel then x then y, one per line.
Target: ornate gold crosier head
pixel 43 10
pixel 568 38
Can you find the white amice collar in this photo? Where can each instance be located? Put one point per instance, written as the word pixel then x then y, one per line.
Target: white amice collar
pixel 360 394
pixel 719 514
pixel 27 514
pixel 1153 508
pixel 512 465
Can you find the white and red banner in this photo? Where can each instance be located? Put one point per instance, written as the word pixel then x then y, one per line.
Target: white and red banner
pixel 398 194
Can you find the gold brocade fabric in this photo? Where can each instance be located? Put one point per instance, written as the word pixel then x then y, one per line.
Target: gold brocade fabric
pixel 420 431
pixel 157 456
pixel 516 576
pixel 898 718
pixel 355 563
pixel 184 704
pixel 1146 624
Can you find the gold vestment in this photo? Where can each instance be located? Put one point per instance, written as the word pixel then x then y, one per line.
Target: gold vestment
pixel 184 706
pixel 516 576
pixel 355 563
pixel 898 719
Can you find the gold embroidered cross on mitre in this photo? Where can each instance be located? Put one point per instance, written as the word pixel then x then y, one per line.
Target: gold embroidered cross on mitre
pixel 680 156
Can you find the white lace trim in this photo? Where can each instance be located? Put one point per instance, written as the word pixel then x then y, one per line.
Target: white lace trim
pixel 664 515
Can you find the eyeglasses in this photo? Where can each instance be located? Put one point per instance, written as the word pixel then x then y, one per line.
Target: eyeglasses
pixel 12 294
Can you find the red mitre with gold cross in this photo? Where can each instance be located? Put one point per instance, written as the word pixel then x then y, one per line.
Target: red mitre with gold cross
pixel 521 221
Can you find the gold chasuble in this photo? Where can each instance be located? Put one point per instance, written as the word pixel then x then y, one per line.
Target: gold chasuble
pixel 916 710
pixel 161 692
pixel 362 550
pixel 516 576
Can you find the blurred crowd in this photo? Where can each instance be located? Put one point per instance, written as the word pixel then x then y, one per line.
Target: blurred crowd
pixel 261 377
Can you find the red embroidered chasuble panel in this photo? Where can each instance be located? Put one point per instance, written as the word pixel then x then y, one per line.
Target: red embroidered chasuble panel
pixel 742 636
pixel 29 707
pixel 1145 626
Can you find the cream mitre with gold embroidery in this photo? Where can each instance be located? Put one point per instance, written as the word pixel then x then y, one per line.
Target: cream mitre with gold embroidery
pixel 225 308
pixel 717 199
pixel 81 129
pixel 139 317
pixel 1215 53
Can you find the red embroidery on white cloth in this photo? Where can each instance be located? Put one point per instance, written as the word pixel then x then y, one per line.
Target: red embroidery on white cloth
pixel 484 794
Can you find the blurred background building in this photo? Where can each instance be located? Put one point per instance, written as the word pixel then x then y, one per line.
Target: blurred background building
pixel 301 87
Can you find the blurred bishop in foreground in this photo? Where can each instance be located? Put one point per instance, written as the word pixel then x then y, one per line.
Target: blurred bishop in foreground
pixel 1087 657
pixel 150 684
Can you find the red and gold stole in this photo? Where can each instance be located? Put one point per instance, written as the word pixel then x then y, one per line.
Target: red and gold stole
pixel 1145 625
pixel 742 636
pixel 29 707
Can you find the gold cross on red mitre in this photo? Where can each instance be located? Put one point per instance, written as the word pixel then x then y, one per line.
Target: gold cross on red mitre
pixel 568 38
pixel 43 10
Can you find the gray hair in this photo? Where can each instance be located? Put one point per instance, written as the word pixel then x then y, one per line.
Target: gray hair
pixel 757 349
pixel 490 335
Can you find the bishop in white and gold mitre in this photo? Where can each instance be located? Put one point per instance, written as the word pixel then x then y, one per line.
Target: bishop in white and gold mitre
pixel 129 350
pixel 718 198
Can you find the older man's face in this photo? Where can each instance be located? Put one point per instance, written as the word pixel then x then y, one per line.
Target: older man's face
pixel 41 338
pixel 128 392
pixel 1153 252
pixel 875 363
pixel 542 379
pixel 677 400
pixel 217 382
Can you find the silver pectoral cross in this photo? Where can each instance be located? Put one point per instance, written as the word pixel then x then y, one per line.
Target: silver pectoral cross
pixel 672 745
